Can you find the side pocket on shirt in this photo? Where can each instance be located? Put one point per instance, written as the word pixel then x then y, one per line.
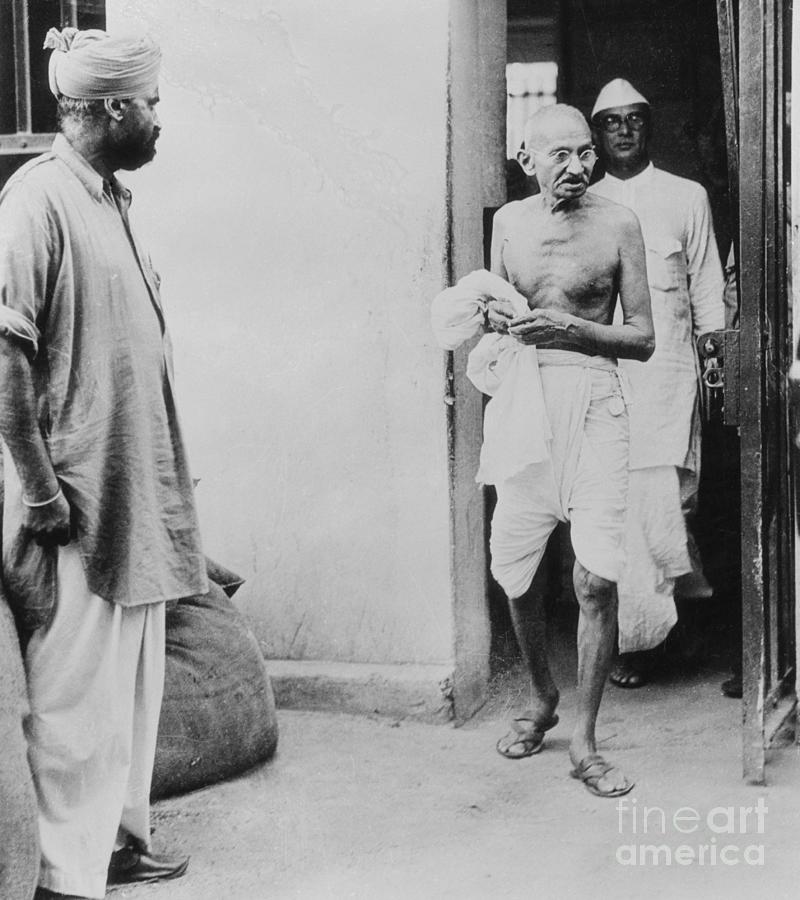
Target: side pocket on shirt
pixel 663 261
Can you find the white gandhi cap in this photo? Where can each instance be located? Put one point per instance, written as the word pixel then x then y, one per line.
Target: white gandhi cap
pixel 617 93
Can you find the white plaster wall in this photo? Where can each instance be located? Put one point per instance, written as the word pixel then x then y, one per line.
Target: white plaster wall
pixel 296 211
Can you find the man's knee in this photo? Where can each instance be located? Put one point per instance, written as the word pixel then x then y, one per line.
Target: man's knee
pixel 592 590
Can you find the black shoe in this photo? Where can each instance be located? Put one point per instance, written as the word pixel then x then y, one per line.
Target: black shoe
pixel 47 894
pixel 133 864
pixel 732 687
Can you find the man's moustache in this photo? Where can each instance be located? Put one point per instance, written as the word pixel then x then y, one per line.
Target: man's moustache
pixel 572 179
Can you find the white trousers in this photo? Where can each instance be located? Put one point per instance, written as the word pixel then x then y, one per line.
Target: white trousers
pixel 95 683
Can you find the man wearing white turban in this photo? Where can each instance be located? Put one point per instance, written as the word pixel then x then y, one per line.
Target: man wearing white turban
pixel 686 288
pixel 100 527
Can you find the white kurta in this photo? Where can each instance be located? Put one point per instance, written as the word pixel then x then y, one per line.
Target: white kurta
pixel 686 290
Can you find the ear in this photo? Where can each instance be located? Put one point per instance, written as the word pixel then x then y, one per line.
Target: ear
pixel 525 159
pixel 114 108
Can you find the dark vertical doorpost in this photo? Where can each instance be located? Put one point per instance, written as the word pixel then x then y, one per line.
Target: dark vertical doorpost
pixel 765 323
pixel 476 180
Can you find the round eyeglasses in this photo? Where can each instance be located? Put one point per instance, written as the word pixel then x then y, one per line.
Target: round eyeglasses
pixel 612 122
pixel 562 157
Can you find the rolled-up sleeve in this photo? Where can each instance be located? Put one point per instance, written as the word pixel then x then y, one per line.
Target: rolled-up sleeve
pixel 26 247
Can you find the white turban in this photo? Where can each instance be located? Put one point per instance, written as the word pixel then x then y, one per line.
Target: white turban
pixel 617 93
pixel 91 65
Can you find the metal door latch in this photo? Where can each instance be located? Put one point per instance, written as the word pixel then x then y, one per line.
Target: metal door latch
pixel 718 353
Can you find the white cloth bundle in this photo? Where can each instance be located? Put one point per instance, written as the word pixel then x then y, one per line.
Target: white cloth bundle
pixel 516 432
pixel 457 313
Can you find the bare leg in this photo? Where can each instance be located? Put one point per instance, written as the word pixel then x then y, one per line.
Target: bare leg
pixel 530 628
pixel 597 599
pixel 528 728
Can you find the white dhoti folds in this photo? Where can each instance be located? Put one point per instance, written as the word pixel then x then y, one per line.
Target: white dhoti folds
pixel 95 682
pixel 584 480
pixel 555 438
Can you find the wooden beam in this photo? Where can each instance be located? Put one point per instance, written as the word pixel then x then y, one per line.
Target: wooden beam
pixel 752 109
pixel 69 13
pixel 730 91
pixel 19 144
pixel 22 66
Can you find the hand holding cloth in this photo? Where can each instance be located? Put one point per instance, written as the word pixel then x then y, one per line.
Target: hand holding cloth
pixel 516 432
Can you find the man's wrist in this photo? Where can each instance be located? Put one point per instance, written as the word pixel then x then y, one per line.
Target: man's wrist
pixel 34 503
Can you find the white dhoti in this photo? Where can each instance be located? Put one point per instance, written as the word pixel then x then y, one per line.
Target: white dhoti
pixel 95 682
pixel 656 554
pixel 584 480
pixel 555 439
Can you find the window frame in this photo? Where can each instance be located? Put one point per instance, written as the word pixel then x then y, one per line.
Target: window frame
pixel 25 141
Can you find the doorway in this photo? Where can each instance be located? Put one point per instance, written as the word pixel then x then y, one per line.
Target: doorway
pixel 672 53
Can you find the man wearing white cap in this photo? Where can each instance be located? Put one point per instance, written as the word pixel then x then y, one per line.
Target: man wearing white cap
pixel 686 289
pixel 100 527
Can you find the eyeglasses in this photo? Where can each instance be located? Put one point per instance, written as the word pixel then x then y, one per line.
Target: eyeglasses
pixel 612 122
pixel 562 157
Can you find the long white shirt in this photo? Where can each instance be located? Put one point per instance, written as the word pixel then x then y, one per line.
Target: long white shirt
pixel 686 290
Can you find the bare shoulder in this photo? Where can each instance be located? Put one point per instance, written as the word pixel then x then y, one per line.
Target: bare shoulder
pixel 614 216
pixel 510 213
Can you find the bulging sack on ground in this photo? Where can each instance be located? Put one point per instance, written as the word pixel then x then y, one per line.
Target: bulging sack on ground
pixel 218 715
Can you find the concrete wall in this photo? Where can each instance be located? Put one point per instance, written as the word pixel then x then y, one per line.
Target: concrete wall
pixel 297 212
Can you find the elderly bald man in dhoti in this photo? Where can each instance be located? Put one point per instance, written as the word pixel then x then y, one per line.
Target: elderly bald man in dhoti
pixel 556 429
pixel 100 527
pixel 686 284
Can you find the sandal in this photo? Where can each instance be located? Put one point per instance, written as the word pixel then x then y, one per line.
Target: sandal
pixel 627 674
pixel 527 735
pixel 592 769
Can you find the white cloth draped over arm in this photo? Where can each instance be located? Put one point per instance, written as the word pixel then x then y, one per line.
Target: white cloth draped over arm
pixel 516 432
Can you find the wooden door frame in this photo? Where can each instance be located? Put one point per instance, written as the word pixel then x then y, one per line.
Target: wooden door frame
pixel 767 513
pixel 475 180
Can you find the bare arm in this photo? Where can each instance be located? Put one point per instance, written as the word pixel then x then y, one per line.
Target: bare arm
pixel 20 430
pixel 500 312
pixel 633 339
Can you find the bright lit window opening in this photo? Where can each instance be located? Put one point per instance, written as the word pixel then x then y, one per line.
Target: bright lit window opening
pixel 529 86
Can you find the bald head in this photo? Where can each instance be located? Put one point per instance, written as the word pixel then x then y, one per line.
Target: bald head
pixel 552 122
pixel 558 151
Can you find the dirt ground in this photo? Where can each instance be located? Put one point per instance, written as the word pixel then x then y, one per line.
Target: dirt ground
pixel 372 809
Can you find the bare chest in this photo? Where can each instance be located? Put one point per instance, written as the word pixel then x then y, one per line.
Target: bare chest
pixel 562 264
